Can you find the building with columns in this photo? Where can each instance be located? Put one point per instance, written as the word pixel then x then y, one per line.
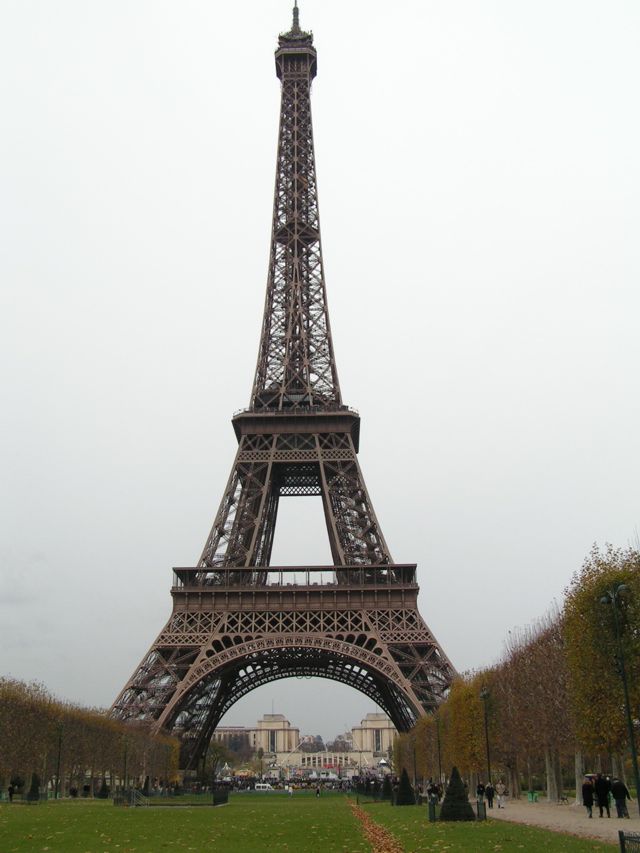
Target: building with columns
pixel 370 744
pixel 274 734
pixel 375 734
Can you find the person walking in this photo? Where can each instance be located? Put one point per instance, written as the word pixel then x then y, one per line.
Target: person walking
pixel 587 796
pixel 620 794
pixel 489 792
pixel 480 790
pixel 602 788
pixel 501 789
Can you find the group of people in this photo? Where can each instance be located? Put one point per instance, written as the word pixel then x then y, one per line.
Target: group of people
pixel 488 792
pixel 599 791
pixel 434 791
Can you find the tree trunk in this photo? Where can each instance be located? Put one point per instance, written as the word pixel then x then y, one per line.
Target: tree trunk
pixel 45 780
pixel 558 773
pixel 473 784
pixel 513 778
pixel 514 781
pixel 552 785
pixel 623 772
pixel 579 771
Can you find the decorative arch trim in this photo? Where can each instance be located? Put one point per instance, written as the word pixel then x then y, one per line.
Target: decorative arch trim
pixel 212 663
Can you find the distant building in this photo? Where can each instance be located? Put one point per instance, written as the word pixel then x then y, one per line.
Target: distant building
pixel 375 734
pixel 273 734
pixel 368 750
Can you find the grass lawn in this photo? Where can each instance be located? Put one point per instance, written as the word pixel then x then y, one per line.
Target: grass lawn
pixel 410 826
pixel 250 823
pixel 256 823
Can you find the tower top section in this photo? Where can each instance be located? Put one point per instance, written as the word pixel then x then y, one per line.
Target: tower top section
pixel 296 367
pixel 296 42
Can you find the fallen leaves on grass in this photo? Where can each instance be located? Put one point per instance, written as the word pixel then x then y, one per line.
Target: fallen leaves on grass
pixel 381 840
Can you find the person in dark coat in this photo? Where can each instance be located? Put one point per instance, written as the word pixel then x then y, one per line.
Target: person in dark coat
pixel 480 789
pixel 620 794
pixel 587 796
pixel 602 788
pixel 489 792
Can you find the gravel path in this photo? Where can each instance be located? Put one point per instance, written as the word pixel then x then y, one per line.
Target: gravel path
pixel 568 818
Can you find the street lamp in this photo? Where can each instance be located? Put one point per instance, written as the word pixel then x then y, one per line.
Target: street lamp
pixel 439 752
pixel 60 728
pixel 612 597
pixel 415 775
pixel 260 757
pixel 484 695
pixel 124 768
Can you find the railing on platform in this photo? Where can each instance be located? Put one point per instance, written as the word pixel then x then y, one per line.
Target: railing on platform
pixel 296 577
pixel 302 410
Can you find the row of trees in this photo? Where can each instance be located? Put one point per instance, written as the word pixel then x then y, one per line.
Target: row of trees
pixel 554 705
pixel 68 747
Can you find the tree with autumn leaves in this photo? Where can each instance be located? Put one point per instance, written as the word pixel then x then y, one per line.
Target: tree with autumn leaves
pixel 554 701
pixel 596 689
pixel 595 686
pixel 67 747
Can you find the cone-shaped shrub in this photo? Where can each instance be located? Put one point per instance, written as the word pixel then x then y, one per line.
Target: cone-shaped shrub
pixel 387 790
pixel 405 791
pixel 456 805
pixel 34 791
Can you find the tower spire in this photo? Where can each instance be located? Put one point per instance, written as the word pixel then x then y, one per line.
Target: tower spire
pixel 296 34
pixel 296 366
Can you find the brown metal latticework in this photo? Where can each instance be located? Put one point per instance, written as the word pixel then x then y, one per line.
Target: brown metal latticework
pixel 237 621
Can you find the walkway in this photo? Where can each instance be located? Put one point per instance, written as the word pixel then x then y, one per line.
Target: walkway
pixel 568 818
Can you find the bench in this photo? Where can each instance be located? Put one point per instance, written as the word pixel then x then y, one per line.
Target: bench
pixel 629 842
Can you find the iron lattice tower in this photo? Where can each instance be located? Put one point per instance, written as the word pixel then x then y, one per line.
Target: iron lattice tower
pixel 238 622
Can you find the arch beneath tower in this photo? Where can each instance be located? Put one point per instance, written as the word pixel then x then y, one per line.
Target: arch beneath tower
pixel 221 679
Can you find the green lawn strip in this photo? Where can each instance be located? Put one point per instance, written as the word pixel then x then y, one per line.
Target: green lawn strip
pixel 250 823
pixel 411 827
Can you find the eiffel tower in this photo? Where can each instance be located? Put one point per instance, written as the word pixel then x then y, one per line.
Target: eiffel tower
pixel 238 622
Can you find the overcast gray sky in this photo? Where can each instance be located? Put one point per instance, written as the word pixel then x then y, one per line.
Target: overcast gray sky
pixel 479 189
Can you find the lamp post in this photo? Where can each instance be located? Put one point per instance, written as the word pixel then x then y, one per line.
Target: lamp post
pixel 439 753
pixel 260 757
pixel 612 597
pixel 415 775
pixel 484 695
pixel 124 768
pixel 60 728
